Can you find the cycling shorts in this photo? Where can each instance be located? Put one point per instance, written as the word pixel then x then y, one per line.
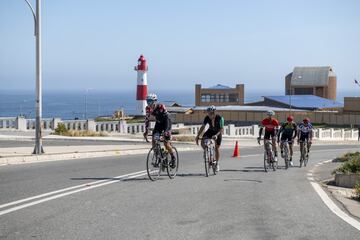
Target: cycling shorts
pixel 209 134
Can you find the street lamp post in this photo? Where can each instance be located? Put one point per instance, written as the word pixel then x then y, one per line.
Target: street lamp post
pixel 38 99
pixel 86 92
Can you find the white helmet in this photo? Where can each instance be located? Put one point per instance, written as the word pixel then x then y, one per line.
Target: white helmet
pixel 270 113
pixel 212 108
pixel 151 98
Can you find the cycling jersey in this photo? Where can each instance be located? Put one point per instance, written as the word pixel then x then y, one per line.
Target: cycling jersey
pixel 270 124
pixel 162 120
pixel 305 130
pixel 287 131
pixel 214 129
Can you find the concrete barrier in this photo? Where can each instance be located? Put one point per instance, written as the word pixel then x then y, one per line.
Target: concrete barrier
pixel 347 180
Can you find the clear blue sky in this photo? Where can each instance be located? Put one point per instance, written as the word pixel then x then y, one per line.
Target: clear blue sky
pixel 95 44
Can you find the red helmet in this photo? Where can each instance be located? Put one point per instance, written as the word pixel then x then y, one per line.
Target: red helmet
pixel 290 118
pixel 306 120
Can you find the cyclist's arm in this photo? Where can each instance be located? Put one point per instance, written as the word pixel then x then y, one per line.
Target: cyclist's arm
pixel 221 130
pixel 147 121
pixel 260 131
pixel 200 130
pixel 294 132
pixel 279 133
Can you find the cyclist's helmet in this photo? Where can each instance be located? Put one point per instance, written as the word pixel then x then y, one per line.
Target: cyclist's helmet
pixel 290 118
pixel 212 108
pixel 270 113
pixel 306 120
pixel 151 98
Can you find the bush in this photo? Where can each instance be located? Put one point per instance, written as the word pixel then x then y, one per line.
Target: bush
pixel 61 129
pixel 357 191
pixel 351 166
pixel 348 157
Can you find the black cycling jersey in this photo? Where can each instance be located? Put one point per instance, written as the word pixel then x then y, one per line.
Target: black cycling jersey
pixel 219 123
pixel 161 115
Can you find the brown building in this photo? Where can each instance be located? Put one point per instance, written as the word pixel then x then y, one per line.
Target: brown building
pixel 219 95
pixel 319 81
pixel 352 105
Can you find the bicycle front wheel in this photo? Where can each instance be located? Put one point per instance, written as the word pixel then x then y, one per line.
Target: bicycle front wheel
pixel 153 164
pixel 173 171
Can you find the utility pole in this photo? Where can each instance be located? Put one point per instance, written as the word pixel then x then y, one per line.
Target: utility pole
pixel 38 98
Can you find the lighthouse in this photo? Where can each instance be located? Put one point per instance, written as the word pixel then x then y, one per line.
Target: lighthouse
pixel 141 91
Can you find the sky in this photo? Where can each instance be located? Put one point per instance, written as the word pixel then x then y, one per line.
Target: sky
pixel 96 44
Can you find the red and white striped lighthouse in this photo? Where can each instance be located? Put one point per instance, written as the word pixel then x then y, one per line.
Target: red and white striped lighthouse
pixel 141 92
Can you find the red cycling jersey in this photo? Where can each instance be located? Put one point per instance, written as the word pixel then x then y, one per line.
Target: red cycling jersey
pixel 270 124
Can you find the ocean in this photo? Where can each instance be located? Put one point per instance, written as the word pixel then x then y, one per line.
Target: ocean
pixel 71 104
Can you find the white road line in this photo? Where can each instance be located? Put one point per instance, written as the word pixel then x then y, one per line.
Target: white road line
pixel 86 186
pixel 332 206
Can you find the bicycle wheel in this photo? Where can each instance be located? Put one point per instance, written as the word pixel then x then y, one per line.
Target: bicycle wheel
pixel 206 161
pixel 302 156
pixel 173 171
pixel 266 165
pixel 153 164
pixel 212 160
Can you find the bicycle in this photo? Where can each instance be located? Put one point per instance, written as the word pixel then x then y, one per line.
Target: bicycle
pixel 209 156
pixel 285 148
pixel 158 160
pixel 269 156
pixel 304 151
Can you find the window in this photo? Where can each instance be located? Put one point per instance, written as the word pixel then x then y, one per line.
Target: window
pixel 303 91
pixel 205 98
pixel 233 97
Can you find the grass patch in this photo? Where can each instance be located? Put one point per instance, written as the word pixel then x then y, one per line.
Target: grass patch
pixel 84 134
pixel 357 192
pixel 184 138
pixel 62 131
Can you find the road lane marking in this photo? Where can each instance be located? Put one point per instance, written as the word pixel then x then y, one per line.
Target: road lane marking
pixel 330 204
pixel 65 194
pixel 85 186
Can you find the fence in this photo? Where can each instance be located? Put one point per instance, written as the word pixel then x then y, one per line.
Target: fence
pixel 22 124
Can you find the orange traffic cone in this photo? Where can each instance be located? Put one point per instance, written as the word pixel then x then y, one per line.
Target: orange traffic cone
pixel 236 150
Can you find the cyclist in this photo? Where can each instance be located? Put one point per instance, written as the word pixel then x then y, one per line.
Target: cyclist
pixel 215 131
pixel 288 132
pixel 271 125
pixel 305 132
pixel 162 124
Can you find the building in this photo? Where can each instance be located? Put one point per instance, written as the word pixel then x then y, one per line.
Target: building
pixel 352 105
pixel 304 102
pixel 319 81
pixel 219 95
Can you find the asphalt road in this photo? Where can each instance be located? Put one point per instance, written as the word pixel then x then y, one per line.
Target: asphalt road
pixel 242 202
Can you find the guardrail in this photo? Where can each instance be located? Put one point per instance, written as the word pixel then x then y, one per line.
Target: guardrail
pixel 22 124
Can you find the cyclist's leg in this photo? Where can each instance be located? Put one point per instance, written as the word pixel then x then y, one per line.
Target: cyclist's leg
pixel 274 144
pixel 217 147
pixel 266 137
pixel 308 144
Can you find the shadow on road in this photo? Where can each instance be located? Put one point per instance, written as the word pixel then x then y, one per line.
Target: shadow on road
pixel 190 174
pixel 243 170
